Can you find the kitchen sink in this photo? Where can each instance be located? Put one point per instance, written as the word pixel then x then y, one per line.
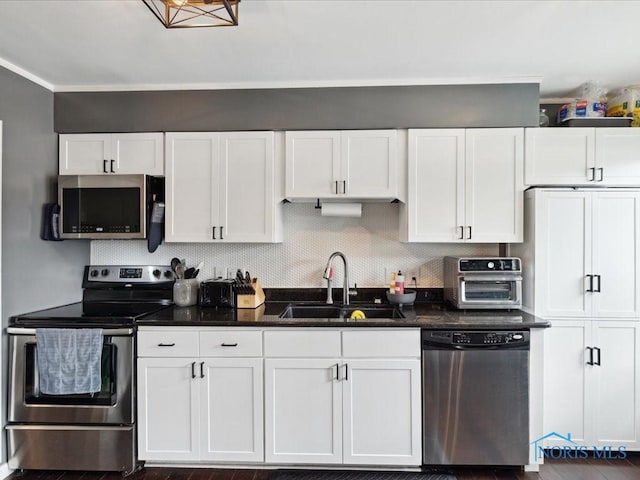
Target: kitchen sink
pixel 305 310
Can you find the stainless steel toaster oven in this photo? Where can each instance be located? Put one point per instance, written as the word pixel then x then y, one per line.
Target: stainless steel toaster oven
pixel 483 282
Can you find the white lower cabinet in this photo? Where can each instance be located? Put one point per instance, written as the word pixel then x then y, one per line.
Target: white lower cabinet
pixel 347 409
pixel 327 396
pixel 303 411
pixel 168 419
pixel 380 404
pixel 199 408
pixel 592 383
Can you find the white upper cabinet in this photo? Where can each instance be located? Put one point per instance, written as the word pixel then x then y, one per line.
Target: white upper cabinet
pixel 107 154
pixel 359 164
pixel 587 253
pixel 582 156
pixel 222 187
pixel 464 185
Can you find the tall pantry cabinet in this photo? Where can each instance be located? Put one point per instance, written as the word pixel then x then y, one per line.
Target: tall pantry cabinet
pixel 581 270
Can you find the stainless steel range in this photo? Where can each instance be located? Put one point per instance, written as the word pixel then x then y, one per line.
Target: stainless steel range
pixel 93 431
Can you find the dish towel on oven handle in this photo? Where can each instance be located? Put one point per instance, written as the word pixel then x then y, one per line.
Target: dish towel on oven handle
pixel 69 360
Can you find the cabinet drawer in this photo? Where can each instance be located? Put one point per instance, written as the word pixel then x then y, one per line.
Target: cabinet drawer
pixel 381 343
pixel 170 343
pixel 231 343
pixel 299 343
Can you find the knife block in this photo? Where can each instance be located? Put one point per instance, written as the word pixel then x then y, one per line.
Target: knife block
pixel 251 300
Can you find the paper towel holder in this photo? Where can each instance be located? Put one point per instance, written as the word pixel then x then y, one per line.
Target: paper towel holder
pixel 339 209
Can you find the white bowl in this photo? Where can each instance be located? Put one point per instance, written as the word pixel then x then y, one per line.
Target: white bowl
pixel 406 298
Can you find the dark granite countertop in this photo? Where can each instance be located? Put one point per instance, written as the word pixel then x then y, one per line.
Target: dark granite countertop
pixel 425 315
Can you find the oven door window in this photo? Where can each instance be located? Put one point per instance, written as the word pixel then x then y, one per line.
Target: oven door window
pixel 489 290
pixel 106 395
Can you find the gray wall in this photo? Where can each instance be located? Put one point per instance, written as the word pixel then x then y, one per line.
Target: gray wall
pixel 424 106
pixel 35 274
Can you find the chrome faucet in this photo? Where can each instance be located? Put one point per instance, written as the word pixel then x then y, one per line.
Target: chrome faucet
pixel 328 276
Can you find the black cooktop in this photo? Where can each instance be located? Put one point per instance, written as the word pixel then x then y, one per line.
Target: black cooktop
pixel 81 314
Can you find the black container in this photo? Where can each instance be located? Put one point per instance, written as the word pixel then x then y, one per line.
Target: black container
pixel 217 293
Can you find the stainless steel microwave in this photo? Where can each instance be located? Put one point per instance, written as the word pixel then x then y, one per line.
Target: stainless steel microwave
pixel 107 206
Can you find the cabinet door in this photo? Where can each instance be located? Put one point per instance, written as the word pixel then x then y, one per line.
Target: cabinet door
pixel 191 183
pixel 303 411
pixel 247 188
pixel 168 420
pixel 382 412
pixel 494 185
pixel 559 156
pixel 563 232
pixel 618 156
pixel 567 408
pixel 435 203
pixel 231 409
pixel 369 167
pixel 135 153
pixel 616 393
pixel 616 247
pixel 312 164
pixel 84 154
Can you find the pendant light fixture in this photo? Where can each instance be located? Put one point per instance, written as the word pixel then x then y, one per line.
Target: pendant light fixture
pixel 195 13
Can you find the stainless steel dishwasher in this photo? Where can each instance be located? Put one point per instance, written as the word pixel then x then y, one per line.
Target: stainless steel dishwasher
pixel 475 397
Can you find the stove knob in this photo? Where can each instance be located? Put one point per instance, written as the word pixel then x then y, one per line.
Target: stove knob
pixel 491 264
pixel 156 273
pixel 104 272
pixel 93 273
pixel 168 274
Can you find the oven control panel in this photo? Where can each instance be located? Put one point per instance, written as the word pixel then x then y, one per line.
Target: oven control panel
pixel 123 274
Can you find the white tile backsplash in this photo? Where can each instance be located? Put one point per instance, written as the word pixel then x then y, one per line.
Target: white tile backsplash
pixel 370 244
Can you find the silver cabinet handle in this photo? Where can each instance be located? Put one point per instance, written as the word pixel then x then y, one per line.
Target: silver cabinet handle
pixel 592 176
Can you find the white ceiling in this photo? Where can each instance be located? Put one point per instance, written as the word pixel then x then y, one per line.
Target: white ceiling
pixel 76 45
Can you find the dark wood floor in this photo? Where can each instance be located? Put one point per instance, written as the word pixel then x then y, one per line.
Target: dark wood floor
pixel 579 469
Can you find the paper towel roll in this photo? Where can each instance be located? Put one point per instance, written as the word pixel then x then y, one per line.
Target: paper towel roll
pixel 341 209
